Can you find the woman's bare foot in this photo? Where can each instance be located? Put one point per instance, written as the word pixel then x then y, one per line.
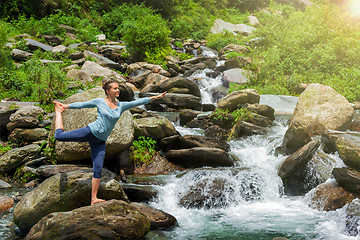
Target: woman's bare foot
pixel 58 108
pixel 97 200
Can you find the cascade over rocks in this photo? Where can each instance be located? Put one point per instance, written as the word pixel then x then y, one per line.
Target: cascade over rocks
pixel 121 137
pixel 112 219
pixel 353 217
pixel 200 157
pixel 320 108
pixel 292 171
pixel 64 192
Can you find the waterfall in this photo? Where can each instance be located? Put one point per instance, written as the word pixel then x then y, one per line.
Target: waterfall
pixel 245 201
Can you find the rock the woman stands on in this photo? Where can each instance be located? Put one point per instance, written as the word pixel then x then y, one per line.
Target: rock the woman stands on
pixel 96 133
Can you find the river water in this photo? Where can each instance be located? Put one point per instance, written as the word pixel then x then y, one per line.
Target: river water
pixel 252 204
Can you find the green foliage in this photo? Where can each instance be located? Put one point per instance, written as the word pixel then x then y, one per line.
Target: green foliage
pixel 147 36
pixel 143 150
pixel 318 45
pixel 242 114
pixel 22 176
pixel 221 40
pixel 220 114
pixel 50 152
pixel 5 147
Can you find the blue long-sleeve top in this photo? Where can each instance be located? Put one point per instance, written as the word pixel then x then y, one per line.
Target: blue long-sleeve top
pixel 107 117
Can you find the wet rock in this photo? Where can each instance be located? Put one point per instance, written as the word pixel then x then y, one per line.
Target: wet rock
pixel 236 99
pixel 348 179
pixel 329 197
pixel 241 129
pixel 107 220
pixel 296 137
pixel 159 220
pixel 17 157
pixel 64 192
pixel 154 127
pixel 138 193
pixel 200 157
pixel 217 132
pixel 292 171
pixel 320 108
pixel 348 146
pixel 328 139
pixel 6 203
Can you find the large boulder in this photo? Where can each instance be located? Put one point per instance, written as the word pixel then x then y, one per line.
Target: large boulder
pixel 102 60
pixel 120 138
pixel 46 171
pixel 348 147
pixel 17 157
pixel 320 108
pixel 329 197
pixel 64 192
pixel 180 85
pixel 107 220
pixel 154 127
pixel 79 75
pixel 200 157
pixel 236 99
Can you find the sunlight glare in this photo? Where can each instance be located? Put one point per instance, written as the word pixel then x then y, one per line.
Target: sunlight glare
pixel 355 7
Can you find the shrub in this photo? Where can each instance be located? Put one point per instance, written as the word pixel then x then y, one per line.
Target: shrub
pixel 221 40
pixel 143 150
pixel 147 36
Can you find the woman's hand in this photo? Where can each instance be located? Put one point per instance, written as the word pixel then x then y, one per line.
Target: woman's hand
pixel 158 96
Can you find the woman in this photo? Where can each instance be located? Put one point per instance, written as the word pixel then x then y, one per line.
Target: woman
pixel 96 133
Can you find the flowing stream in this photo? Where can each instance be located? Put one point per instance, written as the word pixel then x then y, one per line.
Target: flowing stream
pixel 252 204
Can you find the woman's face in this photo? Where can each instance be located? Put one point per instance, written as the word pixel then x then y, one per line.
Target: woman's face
pixel 114 90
